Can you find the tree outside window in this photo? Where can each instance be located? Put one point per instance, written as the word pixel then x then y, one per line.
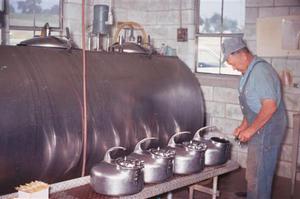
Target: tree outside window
pixel 27 17
pixel 217 20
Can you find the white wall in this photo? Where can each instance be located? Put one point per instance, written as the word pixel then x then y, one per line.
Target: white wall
pixel 160 20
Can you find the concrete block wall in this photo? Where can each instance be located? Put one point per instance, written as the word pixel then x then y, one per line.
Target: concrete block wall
pixel 223 111
pixel 269 8
pixel 221 102
pixel 160 20
pixel 72 18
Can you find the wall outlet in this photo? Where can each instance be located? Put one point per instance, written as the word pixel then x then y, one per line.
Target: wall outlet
pixel 182 34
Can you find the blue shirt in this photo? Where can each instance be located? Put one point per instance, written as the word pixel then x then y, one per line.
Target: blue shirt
pixel 263 83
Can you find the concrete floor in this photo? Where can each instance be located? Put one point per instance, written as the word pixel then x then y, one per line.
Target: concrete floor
pixel 234 182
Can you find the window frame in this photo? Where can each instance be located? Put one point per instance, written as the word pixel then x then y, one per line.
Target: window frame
pixel 39 28
pixel 220 35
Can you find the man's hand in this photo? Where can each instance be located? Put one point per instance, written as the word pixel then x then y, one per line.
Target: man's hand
pixel 245 131
pixel 245 135
pixel 241 128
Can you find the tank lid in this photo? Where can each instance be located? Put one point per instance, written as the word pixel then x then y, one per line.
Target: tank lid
pixel 50 41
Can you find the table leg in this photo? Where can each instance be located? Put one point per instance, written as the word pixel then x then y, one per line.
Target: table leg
pixel 215 188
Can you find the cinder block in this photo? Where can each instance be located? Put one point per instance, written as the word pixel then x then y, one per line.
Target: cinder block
pixel 207 92
pixel 286 2
pixel 72 11
pixel 186 47
pixel 173 4
pixel 252 46
pixel 288 138
pixel 229 95
pixel 295 10
pixel 158 5
pixel 268 59
pixel 77 39
pixel 233 111
pixel 123 4
pixel 290 119
pixel 158 32
pixel 272 12
pixel 188 4
pixel 251 15
pixel 150 18
pixel 188 17
pixel 292 101
pixel 298 160
pixel 100 2
pixel 239 147
pixel 73 1
pixel 286 153
pixel 172 34
pixel 74 26
pixel 167 17
pixel 250 32
pixel 191 33
pixel 215 109
pixel 139 5
pixel 296 79
pixel 208 119
pixel 293 65
pixel 120 14
pixel 242 159
pixel 279 64
pixel 234 155
pixel 188 60
pixel 284 169
pixel 226 126
pixel 259 3
pixel 89 2
pixel 138 16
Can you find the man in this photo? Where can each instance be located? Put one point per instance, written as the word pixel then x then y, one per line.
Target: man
pixel 264 123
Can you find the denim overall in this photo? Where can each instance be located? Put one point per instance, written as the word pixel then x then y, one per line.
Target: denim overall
pixel 263 149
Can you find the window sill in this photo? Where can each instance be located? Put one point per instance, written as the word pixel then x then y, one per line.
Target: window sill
pixel 218 80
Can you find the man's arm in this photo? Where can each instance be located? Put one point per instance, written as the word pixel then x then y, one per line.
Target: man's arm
pixel 268 108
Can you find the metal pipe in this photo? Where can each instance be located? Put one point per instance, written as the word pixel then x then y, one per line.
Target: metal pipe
pixel 5 28
pixel 84 107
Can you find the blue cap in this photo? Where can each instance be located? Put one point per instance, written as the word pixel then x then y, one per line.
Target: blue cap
pixel 232 45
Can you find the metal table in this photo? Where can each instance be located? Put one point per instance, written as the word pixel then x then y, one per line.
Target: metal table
pixel 79 188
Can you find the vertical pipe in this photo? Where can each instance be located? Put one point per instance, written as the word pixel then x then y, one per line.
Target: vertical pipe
pixel 84 108
pixel 180 14
pixel 220 55
pixel 61 17
pixel 34 21
pixel 5 28
pixel 197 31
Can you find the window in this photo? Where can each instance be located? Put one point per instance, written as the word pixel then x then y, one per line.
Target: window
pixel 27 17
pixel 216 21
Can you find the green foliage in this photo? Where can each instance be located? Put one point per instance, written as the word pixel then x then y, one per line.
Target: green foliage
pixel 33 6
pixel 213 24
pixel 30 6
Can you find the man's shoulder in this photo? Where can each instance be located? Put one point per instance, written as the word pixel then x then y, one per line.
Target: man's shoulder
pixel 263 67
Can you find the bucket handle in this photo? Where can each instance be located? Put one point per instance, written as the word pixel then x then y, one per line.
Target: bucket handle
pixel 171 142
pixel 197 135
pixel 138 148
pixel 107 156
